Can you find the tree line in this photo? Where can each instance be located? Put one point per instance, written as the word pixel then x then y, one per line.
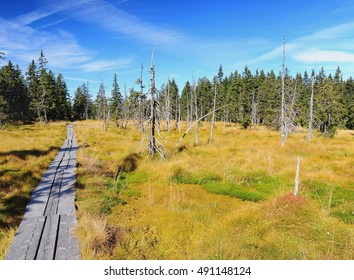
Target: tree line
pixel 39 95
pixel 250 99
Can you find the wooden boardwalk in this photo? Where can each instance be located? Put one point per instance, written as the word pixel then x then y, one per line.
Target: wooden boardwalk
pixel 45 232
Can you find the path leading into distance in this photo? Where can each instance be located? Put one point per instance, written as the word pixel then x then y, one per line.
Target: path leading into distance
pixel 46 231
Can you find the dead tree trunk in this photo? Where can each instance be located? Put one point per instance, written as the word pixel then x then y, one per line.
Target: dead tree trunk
pixel 153 112
pixel 177 112
pixel 309 137
pixel 140 113
pixel 106 118
pixel 282 118
pixel 152 144
pixel 187 109
pixel 191 104
pixel 168 124
pixel 196 112
pixel 213 115
pixel 193 124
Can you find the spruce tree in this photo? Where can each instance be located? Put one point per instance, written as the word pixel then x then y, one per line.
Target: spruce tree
pixel 349 103
pixel 13 92
pixel 79 105
pixel 116 100
pixel 186 111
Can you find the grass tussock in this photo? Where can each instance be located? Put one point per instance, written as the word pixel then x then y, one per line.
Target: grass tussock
pixel 227 200
pixel 97 238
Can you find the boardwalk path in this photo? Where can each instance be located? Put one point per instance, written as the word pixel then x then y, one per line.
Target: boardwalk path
pixel 45 232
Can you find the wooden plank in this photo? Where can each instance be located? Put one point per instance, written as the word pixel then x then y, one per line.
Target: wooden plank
pixel 25 242
pixel 67 194
pixel 33 245
pixel 67 245
pixel 63 238
pixel 53 197
pixel 47 245
pixel 73 246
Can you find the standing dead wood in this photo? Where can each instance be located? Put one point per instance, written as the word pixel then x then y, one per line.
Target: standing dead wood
pixel 309 136
pixel 282 118
pixel 140 113
pixel 167 105
pixel 213 115
pixel 152 143
pixel 195 123
pixel 177 112
pixel 196 112
pixel 297 177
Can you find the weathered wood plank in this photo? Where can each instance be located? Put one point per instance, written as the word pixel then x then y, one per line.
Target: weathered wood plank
pixel 47 244
pixel 67 246
pixel 28 233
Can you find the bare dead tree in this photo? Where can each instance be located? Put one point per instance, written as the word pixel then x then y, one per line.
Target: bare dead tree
pixel 287 117
pixel 309 136
pixel 196 123
pixel 213 115
pixel 106 118
pixel 282 118
pixel 177 112
pixel 152 144
pixel 187 108
pixel 191 103
pixel 167 105
pixel 196 111
pixel 140 113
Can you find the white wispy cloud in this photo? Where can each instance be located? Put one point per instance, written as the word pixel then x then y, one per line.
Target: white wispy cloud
pixel 308 56
pixel 48 9
pixel 109 17
pixel 106 65
pixel 52 23
pixel 335 32
pixel 81 80
pixel 24 43
pixel 328 47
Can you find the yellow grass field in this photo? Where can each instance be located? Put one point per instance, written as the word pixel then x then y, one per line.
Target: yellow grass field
pixel 25 154
pixel 229 199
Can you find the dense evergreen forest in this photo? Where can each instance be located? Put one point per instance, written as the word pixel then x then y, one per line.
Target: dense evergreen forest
pixel 247 98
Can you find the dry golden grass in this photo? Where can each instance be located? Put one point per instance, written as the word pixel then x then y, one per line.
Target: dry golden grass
pixel 164 211
pixel 25 153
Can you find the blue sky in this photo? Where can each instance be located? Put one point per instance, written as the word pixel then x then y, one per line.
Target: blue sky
pixel 90 40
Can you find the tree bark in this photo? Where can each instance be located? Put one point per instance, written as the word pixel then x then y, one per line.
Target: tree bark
pixel 309 137
pixel 282 120
pixel 213 115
